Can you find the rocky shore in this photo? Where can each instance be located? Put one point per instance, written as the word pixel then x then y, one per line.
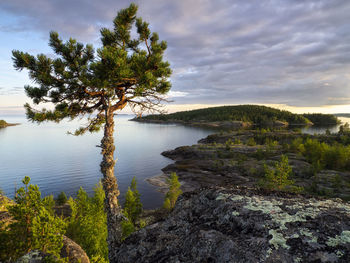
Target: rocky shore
pixel 214 162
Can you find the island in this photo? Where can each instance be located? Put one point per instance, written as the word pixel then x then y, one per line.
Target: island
pixel 240 116
pixel 4 124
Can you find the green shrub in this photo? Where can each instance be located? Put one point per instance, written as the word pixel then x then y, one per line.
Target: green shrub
pixel 61 199
pixel 88 223
pixel 237 141
pixel 278 178
pixel 132 209
pixel 132 204
pixel 251 142
pixel 34 225
pixel 228 144
pixel 173 193
pixel 127 228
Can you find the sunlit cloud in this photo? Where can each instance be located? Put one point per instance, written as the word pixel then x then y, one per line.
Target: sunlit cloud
pixel 295 53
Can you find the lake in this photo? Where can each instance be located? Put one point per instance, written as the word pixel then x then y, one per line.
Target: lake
pixel 56 161
pixel 59 162
pixel 317 129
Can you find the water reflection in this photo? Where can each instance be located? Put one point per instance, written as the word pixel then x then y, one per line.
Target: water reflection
pixel 315 129
pixel 60 162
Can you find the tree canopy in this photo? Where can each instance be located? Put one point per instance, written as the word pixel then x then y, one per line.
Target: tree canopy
pixel 80 81
pixel 83 81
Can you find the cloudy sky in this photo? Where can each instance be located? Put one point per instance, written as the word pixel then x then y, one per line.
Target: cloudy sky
pixel 293 54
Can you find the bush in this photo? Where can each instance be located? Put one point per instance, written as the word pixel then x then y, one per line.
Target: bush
pixel 88 224
pixel 34 225
pixel 251 142
pixel 278 178
pixel 132 209
pixel 61 199
pixel 173 193
pixel 132 204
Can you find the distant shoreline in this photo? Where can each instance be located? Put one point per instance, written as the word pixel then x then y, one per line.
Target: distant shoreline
pixel 4 124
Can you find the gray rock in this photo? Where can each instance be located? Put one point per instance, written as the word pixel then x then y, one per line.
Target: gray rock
pixel 34 256
pixel 244 225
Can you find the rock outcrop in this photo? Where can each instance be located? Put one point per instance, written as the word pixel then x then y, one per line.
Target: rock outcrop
pixel 244 225
pixel 73 251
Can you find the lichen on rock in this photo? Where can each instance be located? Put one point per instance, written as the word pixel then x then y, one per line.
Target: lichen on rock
pixel 244 225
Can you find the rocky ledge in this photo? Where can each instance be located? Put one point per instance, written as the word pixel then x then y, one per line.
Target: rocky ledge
pixel 244 225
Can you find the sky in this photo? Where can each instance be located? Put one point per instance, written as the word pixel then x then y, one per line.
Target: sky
pixel 289 54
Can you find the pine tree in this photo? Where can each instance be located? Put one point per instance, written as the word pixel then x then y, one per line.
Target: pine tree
pixel 34 225
pixel 173 193
pixel 79 82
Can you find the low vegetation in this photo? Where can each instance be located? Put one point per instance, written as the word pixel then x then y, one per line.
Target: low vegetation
pixel 132 210
pixel 87 224
pixel 34 225
pixel 278 178
pixel 173 193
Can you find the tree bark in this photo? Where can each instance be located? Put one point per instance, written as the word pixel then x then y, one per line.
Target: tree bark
pixel 110 186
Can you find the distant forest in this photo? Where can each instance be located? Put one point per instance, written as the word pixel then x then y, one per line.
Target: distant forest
pixel 259 115
pixel 319 118
pixel 347 115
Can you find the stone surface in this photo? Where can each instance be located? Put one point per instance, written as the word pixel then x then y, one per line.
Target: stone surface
pixel 244 225
pixel 73 251
pixel 34 256
pixel 214 161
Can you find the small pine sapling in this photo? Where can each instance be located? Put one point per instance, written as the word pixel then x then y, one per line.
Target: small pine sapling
pixel 173 193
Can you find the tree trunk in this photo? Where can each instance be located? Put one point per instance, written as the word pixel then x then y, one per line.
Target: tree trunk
pixel 110 186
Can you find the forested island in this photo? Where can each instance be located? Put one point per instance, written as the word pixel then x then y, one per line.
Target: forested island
pixel 241 116
pixel 4 124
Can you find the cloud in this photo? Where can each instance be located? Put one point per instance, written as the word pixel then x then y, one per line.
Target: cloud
pixel 280 51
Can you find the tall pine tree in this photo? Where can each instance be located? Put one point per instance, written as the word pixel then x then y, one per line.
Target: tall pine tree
pixel 80 82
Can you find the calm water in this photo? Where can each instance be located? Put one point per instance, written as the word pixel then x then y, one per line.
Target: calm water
pixel 59 162
pixel 322 129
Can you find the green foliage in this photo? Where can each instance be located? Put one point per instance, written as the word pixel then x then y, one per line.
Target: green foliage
pixel 278 178
pixel 61 198
pixel 297 145
pixel 81 81
pixel 319 118
pixel 34 225
pixel 228 144
pixel 133 205
pixel 127 228
pixel 237 141
pixel 322 155
pixel 251 142
pixel 132 209
pixel 344 129
pixel 3 123
pixel 173 193
pixel 248 113
pixel 88 223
